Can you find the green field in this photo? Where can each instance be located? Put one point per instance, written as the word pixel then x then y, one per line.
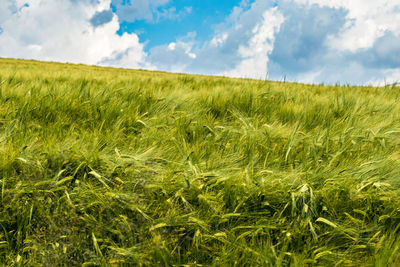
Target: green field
pixel 103 166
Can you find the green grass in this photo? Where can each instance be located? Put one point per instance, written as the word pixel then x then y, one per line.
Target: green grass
pixel 102 166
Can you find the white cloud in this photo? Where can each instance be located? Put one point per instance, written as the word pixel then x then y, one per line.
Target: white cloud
pixel 239 47
pixel 314 41
pixel 137 9
pixel 389 77
pixel 219 40
pixel 317 41
pixel 367 20
pixel 255 53
pixel 337 41
pixel 176 56
pixel 172 46
pixel 6 7
pixel 148 10
pixel 192 55
pixel 172 14
pixel 60 31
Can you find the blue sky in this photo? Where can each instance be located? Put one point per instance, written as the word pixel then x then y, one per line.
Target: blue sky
pixel 185 16
pixel 312 41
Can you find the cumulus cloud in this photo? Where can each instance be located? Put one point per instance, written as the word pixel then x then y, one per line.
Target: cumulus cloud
pixel 137 9
pixel 366 21
pixel 328 41
pixel 255 53
pixel 384 53
pixel 302 40
pixel 173 14
pixel 149 10
pixel 239 47
pixel 363 49
pixel 314 41
pixel 101 18
pixel 67 31
pixel 175 56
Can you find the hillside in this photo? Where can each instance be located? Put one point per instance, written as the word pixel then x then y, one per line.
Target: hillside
pixel 109 166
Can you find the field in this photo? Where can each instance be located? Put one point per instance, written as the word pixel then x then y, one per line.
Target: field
pixel 102 166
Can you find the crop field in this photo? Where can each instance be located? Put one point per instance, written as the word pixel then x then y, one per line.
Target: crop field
pixel 111 167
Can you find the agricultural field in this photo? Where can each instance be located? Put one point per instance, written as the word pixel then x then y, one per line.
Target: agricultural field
pixel 109 167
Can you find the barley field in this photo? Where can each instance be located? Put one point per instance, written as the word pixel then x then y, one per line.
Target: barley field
pixel 111 167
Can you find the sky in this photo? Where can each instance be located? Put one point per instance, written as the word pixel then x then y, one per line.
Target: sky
pixel 353 42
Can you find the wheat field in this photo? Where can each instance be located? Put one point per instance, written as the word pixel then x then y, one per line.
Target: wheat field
pixel 110 167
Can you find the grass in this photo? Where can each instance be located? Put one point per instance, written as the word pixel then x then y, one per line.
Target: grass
pixel 107 167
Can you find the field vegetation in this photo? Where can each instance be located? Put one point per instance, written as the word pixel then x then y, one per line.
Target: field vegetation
pixel 107 167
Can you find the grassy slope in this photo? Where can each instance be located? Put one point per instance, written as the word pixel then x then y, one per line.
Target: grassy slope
pixel 109 166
